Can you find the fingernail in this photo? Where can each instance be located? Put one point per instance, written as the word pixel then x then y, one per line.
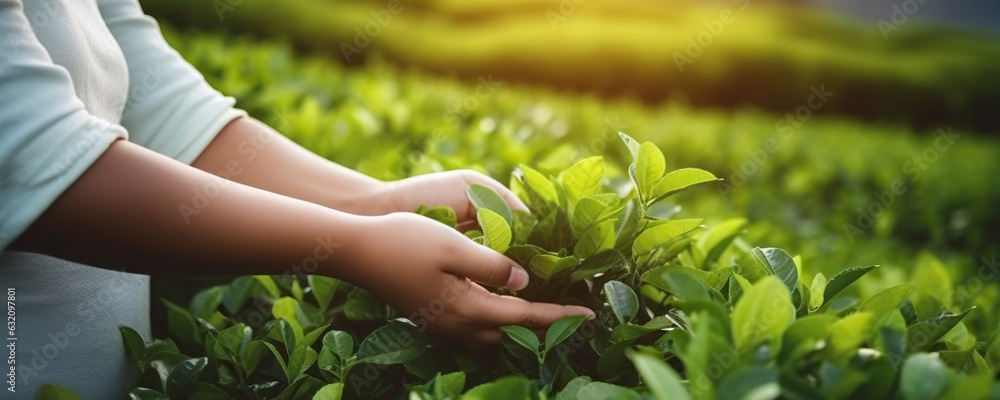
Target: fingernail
pixel 518 279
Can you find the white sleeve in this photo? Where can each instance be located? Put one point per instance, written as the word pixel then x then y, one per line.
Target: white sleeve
pixel 47 138
pixel 170 107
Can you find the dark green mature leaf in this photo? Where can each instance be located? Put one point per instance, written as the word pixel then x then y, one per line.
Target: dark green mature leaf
pixel 922 335
pixel 778 263
pixel 340 343
pixel 610 262
pixel 662 380
pixel 394 343
pixel 207 391
pixel 301 359
pixel 495 229
pixel 483 197
pixel 562 329
pixel 678 281
pixel 141 393
pixel 56 392
pixel 184 374
pixel 664 233
pixel 135 346
pixel 844 279
pixel 239 292
pixel 762 313
pixel 924 377
pixel 524 337
pixel 180 323
pixel 753 383
pixel 583 178
pixel 622 299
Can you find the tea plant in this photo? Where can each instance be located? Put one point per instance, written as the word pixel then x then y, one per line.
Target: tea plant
pixel 685 312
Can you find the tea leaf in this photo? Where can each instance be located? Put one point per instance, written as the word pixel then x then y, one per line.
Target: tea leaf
pixel 340 343
pixel 680 180
pixel 332 391
pixel 662 380
pixel 523 336
pixel 622 299
pixel 923 377
pixel 762 313
pixel 583 178
pixel 483 197
pixel 652 238
pixel 844 279
pixel 632 144
pixel 495 229
pixel 778 263
pixel 649 167
pixel 184 374
pixel 596 238
pixel 562 329
pixel 394 343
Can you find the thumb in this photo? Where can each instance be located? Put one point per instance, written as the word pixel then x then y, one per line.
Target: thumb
pixel 483 265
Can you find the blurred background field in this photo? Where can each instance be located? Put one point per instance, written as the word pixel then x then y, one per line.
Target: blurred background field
pixel 447 84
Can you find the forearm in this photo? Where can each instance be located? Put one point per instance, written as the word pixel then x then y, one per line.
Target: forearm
pixel 249 152
pixel 137 210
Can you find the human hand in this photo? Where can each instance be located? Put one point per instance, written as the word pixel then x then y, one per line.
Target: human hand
pixel 447 188
pixel 429 272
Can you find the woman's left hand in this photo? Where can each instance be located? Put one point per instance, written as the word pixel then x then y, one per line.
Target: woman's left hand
pixel 448 189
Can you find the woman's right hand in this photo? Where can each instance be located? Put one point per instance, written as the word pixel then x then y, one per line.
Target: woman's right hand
pixel 431 273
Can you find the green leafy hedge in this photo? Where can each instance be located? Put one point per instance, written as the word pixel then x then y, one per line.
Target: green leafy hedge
pixel 764 53
pixel 685 312
pixel 393 123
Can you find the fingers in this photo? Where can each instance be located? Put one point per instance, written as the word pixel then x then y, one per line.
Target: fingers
pixel 512 201
pixel 483 265
pixel 507 310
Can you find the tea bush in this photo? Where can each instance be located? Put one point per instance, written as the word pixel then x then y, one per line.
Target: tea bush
pixel 685 312
pixel 688 308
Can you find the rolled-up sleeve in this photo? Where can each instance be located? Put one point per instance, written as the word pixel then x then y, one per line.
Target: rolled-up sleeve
pixel 47 138
pixel 170 107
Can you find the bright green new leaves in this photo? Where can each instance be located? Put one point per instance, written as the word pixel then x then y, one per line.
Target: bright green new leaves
pixel 539 184
pixel 849 333
pixel 623 301
pixel 649 167
pixel 483 197
pixel 678 180
pixel 778 263
pixel 496 231
pixel 596 238
pixel 885 301
pixel 762 313
pixel 333 391
pixel 546 266
pixel 816 292
pixel 593 209
pixel 662 380
pixel 632 144
pixel 662 234
pixel 287 308
pixel 583 178
pixel 443 214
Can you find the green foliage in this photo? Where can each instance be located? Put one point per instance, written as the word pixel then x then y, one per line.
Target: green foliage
pixel 675 303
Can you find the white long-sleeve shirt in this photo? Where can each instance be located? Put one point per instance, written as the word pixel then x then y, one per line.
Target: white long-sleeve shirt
pixel 76 75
